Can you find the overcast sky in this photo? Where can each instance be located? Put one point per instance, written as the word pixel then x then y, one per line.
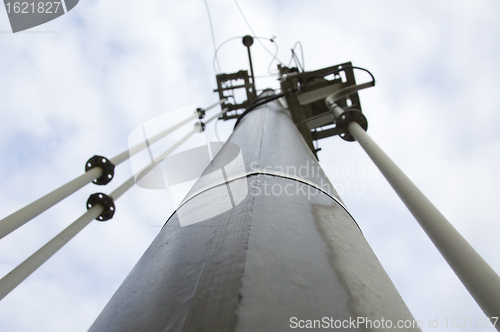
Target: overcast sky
pixel 79 85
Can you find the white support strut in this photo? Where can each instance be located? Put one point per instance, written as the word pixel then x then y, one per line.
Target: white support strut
pixel 482 282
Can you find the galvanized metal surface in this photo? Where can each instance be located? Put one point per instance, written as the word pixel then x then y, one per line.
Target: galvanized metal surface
pixel 274 256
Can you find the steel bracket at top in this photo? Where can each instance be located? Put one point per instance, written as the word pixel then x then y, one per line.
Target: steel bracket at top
pixel 225 84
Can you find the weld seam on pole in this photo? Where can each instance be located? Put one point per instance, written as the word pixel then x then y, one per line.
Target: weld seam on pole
pixel 482 282
pixel 275 174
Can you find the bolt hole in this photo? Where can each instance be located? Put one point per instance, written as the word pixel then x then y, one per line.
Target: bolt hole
pixel 100 218
pixel 89 165
pixel 103 160
pixel 110 176
pixel 111 208
pixel 89 205
pixel 100 195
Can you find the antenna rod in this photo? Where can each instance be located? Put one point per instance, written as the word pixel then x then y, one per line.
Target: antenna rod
pixel 248 41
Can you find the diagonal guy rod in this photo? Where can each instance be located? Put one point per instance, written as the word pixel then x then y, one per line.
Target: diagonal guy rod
pixel 32 263
pixel 30 211
pixel 482 282
pixel 132 151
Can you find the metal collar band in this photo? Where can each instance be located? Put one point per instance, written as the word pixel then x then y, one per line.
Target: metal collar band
pixel 271 173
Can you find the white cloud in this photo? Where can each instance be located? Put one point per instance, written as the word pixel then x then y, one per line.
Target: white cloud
pixel 110 66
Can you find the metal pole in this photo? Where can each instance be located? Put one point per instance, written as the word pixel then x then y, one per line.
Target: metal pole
pixel 482 282
pixel 268 250
pixel 30 211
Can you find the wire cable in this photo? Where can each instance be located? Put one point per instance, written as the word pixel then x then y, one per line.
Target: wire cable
pixel 215 58
pixel 275 56
pixel 253 32
pixel 213 35
pixel 217 51
pixel 336 71
pixel 297 63
pixel 303 65
pixel 257 103
pixel 294 56
pixel 215 129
